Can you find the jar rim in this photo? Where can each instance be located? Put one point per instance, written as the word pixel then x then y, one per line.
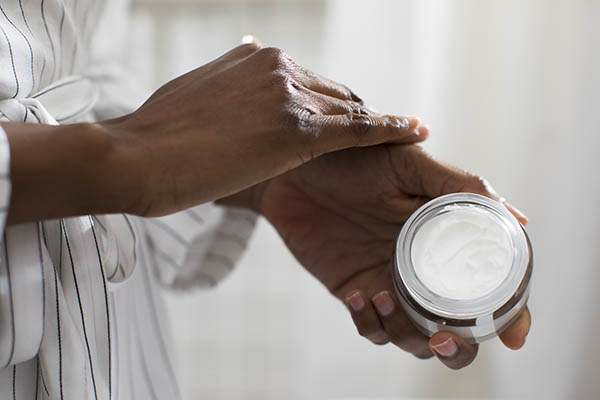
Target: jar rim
pixel 467 309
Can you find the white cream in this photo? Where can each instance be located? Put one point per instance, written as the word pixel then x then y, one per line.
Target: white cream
pixel 462 254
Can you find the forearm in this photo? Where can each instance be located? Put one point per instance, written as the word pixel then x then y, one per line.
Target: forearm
pixel 61 171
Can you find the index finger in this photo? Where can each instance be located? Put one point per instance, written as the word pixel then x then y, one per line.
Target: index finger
pixel 338 132
pixel 320 84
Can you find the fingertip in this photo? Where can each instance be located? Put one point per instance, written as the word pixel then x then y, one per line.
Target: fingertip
pixel 482 186
pixel 384 303
pixel 423 131
pixel 414 121
pixel 355 301
pixel 452 351
pixel 251 39
pixel 515 336
pixel 521 217
pixel 514 340
pixel 443 345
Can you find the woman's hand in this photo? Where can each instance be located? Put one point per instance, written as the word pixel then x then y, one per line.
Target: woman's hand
pixel 246 117
pixel 340 216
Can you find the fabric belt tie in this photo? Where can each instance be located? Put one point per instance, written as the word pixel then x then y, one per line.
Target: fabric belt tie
pixel 29 258
pixel 64 101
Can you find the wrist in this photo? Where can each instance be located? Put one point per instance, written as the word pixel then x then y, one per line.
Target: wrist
pixel 250 198
pixel 62 171
pixel 115 168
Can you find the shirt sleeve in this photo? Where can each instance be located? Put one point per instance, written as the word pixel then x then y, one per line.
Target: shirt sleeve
pixel 21 278
pixel 199 247
pixel 4 179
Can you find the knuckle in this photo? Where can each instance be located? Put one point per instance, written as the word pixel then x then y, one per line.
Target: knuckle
pixel 356 108
pixel 396 122
pixel 346 90
pixel 249 47
pixel 284 89
pixel 350 95
pixel 273 57
pixel 360 125
pixel 296 134
pixel 281 80
pixel 272 52
pixel 355 97
pixel 296 118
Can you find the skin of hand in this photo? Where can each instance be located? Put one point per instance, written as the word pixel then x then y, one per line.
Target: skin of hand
pixel 340 216
pixel 248 116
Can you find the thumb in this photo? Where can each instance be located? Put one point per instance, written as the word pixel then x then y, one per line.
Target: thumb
pixel 338 132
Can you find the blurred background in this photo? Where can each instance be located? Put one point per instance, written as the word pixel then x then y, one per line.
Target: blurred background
pixel 511 91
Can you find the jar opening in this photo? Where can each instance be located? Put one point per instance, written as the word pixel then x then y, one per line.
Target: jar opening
pixel 498 220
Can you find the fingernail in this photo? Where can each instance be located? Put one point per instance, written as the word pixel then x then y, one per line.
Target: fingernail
pixel 422 130
pixel 355 301
pixel 356 98
pixel 446 349
pixel 250 39
pixel 384 304
pixel 414 121
pixel 518 213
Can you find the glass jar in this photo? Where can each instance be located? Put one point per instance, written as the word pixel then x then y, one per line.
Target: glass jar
pixel 476 319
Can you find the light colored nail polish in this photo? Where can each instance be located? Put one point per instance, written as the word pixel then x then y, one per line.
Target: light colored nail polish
pixel 446 349
pixel 356 302
pixel 384 304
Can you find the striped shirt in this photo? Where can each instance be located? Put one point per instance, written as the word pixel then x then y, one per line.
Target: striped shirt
pixel 80 309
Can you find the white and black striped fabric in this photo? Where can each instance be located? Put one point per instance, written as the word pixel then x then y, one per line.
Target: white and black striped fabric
pixel 80 309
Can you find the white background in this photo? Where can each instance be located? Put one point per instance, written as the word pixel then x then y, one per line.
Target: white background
pixel 510 89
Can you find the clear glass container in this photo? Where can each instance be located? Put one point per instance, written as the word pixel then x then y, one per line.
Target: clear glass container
pixel 478 319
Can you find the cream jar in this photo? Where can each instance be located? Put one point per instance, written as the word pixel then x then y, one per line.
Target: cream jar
pixel 463 264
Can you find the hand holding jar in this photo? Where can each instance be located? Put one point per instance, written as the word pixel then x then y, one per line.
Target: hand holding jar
pixel 340 215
